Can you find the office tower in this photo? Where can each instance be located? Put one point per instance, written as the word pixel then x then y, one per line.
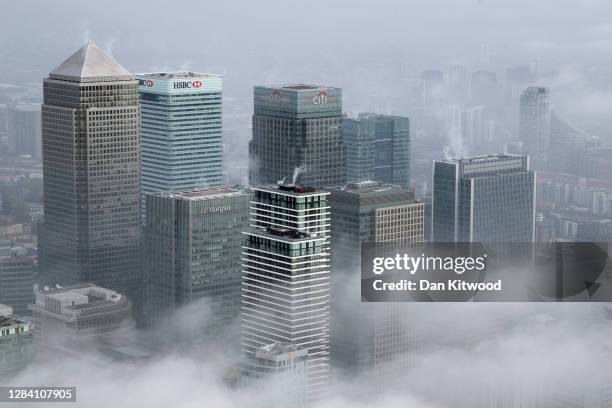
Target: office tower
pixel 567 145
pixel 12 195
pixel 25 130
pixel 284 368
pixel 85 311
pixel 285 276
pixel 464 128
pixel 192 247
pixel 483 199
pixel 458 83
pixel 483 88
pixel 90 131
pixel 17 282
pixel 16 350
pixel 371 338
pixel 377 148
pixel 181 131
pixel 473 127
pixel 297 136
pixel 432 87
pixel 534 125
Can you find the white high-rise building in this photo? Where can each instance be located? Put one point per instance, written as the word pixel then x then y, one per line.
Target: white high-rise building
pixel 285 276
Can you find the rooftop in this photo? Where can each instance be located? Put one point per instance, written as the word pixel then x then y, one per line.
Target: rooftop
pixel 80 296
pixel 88 64
pixel 299 87
pixel 204 194
pixel 291 189
pixel 176 75
pixel 274 350
pixel 481 159
pixel 10 321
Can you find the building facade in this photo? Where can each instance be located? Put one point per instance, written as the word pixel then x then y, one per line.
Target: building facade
pixel 17 283
pixel 297 136
pixel 25 130
pixel 369 338
pixel 284 368
pixel 16 343
pixel 484 199
pixel 192 247
pixel 90 128
pixel 377 148
pixel 534 125
pixel 85 311
pixel 181 131
pixel 285 276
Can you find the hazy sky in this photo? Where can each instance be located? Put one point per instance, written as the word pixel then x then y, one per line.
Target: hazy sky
pixel 369 48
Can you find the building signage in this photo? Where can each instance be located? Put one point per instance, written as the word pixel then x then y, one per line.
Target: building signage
pixel 217 209
pixel 320 99
pixel 145 82
pixel 187 84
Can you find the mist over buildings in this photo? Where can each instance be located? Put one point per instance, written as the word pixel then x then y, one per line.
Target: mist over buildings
pixel 380 54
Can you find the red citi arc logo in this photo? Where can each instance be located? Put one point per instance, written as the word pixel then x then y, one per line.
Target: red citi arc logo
pixel 320 99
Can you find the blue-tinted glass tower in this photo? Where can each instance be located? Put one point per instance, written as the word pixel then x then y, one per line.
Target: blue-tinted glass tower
pixel 377 148
pixel 181 131
pixel 483 199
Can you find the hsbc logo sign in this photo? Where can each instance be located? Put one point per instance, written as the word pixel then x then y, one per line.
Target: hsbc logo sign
pixel 320 99
pixel 187 84
pixel 145 82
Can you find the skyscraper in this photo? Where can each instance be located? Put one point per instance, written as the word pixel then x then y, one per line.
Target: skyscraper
pixel 17 282
pixel 377 148
pixel 181 131
pixel 90 128
pixel 483 199
pixel 193 241
pixel 285 276
pixel 534 125
pixel 369 337
pixel 297 136
pixel 24 130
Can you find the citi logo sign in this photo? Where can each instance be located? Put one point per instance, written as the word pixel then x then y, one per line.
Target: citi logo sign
pixel 187 84
pixel 148 83
pixel 320 99
pixel 276 97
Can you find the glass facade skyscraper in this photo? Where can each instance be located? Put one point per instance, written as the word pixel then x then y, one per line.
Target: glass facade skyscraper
pixel 192 248
pixel 285 277
pixel 368 337
pixel 181 131
pixel 377 148
pixel 483 199
pixel 297 136
pixel 90 133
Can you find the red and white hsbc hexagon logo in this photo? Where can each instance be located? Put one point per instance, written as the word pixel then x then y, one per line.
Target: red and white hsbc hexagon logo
pixel 187 84
pixel 145 82
pixel 320 98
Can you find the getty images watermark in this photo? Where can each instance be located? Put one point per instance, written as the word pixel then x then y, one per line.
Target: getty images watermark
pixel 508 272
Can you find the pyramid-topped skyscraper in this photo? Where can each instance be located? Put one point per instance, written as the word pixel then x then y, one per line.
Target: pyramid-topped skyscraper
pixel 89 64
pixel 90 133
